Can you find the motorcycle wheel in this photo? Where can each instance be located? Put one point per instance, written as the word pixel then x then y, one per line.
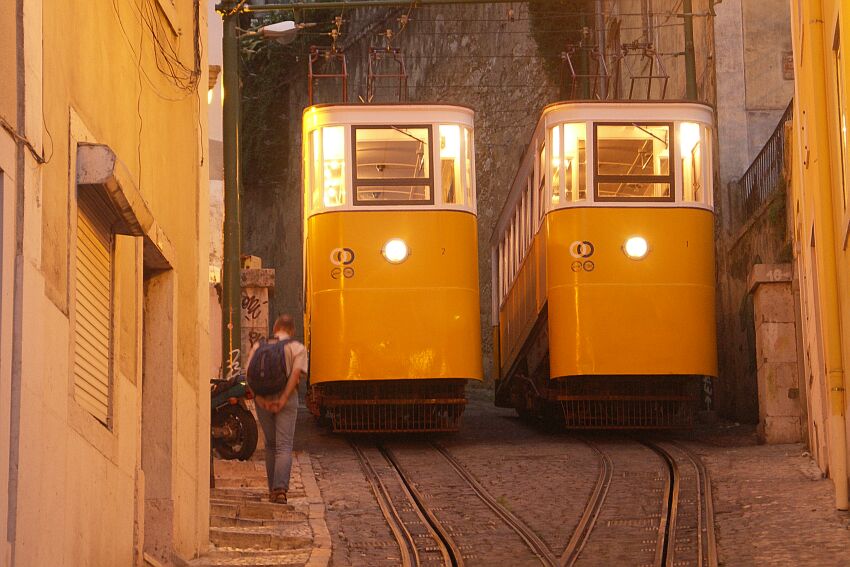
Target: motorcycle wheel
pixel 244 441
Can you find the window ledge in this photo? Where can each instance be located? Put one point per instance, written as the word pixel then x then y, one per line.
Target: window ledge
pixel 93 431
pixel 98 166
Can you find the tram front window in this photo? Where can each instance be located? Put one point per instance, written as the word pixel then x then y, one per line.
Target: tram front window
pixel 392 165
pixel 569 161
pixel 690 143
pixel 633 162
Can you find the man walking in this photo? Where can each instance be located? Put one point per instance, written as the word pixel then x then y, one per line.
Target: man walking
pixel 275 386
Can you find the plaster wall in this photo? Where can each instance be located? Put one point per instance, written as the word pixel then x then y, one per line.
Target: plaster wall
pixel 92 76
pixel 822 222
pixel 8 190
pixel 752 39
pixel 8 66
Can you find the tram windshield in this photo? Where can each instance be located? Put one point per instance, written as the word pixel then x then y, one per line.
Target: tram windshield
pixel 392 165
pixel 633 162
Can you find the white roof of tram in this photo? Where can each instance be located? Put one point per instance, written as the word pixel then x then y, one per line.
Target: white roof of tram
pixel 324 114
pixel 616 111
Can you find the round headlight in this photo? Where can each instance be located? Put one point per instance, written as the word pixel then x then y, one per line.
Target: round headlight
pixel 636 247
pixel 395 251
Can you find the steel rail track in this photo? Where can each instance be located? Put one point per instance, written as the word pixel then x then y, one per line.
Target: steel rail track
pixel 532 540
pixel 592 509
pixel 705 512
pixel 665 549
pixel 450 549
pixel 406 543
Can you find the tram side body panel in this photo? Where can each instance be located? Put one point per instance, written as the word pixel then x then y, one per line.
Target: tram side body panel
pixel 373 320
pixel 611 315
pixel 526 299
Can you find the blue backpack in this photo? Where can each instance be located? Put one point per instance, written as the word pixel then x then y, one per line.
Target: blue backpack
pixel 267 372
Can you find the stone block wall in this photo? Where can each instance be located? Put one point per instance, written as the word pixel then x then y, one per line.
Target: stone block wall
pixel 780 408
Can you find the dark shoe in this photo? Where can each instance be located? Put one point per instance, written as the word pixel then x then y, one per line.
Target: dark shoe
pixel 278 497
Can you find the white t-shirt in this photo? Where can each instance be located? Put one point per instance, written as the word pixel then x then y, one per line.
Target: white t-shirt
pixel 295 352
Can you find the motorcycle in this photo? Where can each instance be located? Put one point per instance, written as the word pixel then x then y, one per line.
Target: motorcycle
pixel 234 428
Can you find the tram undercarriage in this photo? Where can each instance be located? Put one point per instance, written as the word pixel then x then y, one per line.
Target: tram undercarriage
pixel 609 402
pixel 596 402
pixel 389 406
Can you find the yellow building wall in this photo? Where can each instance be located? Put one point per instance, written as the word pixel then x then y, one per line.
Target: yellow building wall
pixel 93 75
pixel 8 68
pixel 820 29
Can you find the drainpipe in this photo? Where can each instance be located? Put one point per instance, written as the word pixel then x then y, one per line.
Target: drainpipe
pixel 825 238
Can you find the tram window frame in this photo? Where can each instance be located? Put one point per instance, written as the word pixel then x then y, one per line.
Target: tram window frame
pixel 316 164
pixel 428 182
pixel 540 178
pixel 526 221
pixel 571 173
pixel 469 166
pixel 670 178
pixel 697 156
pixel 460 195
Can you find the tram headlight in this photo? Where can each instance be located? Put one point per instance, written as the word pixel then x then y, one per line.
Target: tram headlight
pixel 636 247
pixel 395 251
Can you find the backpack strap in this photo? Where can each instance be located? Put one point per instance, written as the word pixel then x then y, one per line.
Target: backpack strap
pixel 283 343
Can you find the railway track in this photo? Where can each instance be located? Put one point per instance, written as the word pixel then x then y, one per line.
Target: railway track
pixel 593 509
pixel 685 526
pixel 686 531
pixel 421 539
pixel 413 520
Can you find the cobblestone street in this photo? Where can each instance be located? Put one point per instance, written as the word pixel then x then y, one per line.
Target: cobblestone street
pixel 771 505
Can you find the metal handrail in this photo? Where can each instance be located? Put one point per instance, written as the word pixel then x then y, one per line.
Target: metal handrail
pixel 764 176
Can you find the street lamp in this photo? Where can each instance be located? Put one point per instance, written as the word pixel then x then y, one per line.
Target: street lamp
pixel 282 32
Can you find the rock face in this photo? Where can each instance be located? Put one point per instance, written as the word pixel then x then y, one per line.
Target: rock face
pixel 502 60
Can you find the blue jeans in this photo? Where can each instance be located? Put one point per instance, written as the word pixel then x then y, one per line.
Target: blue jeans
pixel 279 431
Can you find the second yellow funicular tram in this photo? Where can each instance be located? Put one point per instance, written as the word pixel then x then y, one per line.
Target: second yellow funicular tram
pixel 391 265
pixel 603 267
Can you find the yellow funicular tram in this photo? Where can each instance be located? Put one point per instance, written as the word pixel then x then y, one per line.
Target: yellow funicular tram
pixel 391 265
pixel 603 267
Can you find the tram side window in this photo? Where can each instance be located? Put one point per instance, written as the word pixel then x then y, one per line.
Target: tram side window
pixel 327 174
pixel 633 162
pixel 541 180
pixel 690 145
pixel 529 215
pixel 392 165
pixel 501 260
pixel 569 163
pixel 469 180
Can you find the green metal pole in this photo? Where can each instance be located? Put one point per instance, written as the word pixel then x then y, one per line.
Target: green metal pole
pixel 231 297
pixel 690 56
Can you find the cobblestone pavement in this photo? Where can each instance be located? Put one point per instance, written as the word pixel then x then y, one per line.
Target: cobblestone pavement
pixel 771 505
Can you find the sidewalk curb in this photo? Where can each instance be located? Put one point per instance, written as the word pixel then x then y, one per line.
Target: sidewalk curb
pixel 320 555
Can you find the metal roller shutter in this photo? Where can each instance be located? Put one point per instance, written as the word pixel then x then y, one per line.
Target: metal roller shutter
pixel 93 293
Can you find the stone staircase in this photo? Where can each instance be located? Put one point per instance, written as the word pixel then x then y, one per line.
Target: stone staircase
pixel 247 530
